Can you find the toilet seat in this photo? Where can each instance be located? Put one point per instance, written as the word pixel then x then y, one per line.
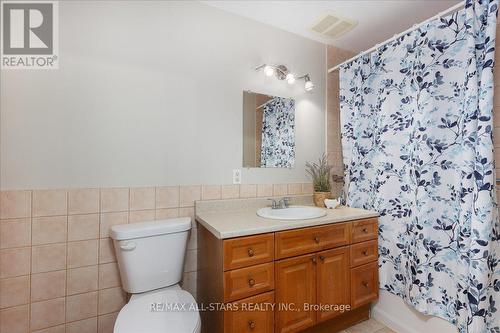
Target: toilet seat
pixel 170 310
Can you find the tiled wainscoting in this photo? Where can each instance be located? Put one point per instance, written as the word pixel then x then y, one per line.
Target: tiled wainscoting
pixel 58 271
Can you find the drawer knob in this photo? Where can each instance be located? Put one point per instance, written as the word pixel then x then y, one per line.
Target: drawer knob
pixel 365 253
pixel 365 230
pixel 322 258
pixel 316 239
pixel 251 282
pixel 251 324
pixel 250 251
pixel 313 259
pixel 365 284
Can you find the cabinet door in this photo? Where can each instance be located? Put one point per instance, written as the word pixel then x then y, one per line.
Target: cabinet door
pixel 295 290
pixel 333 283
pixel 251 315
pixel 364 284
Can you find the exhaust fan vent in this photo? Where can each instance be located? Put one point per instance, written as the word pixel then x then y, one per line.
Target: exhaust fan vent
pixel 333 26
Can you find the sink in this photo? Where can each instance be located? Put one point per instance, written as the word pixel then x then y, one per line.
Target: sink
pixel 292 213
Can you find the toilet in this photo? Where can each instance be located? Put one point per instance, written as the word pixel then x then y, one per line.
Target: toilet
pixel 150 257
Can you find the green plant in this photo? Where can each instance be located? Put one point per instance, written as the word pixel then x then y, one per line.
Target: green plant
pixel 320 173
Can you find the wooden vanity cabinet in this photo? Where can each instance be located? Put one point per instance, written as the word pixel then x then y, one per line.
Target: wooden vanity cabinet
pixel 280 281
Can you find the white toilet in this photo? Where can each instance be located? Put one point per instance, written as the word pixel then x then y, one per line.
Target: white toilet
pixel 150 258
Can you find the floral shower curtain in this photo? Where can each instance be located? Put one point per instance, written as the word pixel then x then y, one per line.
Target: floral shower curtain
pixel 416 119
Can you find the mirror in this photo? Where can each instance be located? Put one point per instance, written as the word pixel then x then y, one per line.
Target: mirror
pixel 268 131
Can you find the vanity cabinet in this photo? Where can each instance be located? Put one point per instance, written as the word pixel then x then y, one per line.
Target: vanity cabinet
pixel 289 281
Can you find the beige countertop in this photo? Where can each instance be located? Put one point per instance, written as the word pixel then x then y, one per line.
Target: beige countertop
pixel 236 222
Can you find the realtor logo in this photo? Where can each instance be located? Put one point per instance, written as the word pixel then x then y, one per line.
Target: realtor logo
pixel 29 35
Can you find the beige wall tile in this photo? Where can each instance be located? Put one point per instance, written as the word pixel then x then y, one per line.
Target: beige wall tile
pixel 106 322
pixel 53 329
pixel 307 188
pixel 47 313
pixel 188 212
pixel 83 253
pixel 15 233
pixel 14 320
pixel 248 191
pixel 189 282
pixel 50 203
pixel 15 204
pixel 106 251
pixel 114 200
pixel 48 285
pixel 14 291
pixel 166 213
pixel 82 326
pixel 49 230
pixel 109 276
pixel 211 192
pixel 142 198
pixel 167 197
pixel 190 264
pixel 141 216
pixel 193 240
pixel 82 227
pixel 83 201
pixel 46 258
pixel 280 189
pixel 81 306
pixel 110 219
pixel 111 300
pixel 230 191
pixel 82 280
pixel 294 189
pixel 15 262
pixel 188 195
pixel 265 190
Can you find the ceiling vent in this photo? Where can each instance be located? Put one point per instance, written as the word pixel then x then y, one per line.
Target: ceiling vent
pixel 333 26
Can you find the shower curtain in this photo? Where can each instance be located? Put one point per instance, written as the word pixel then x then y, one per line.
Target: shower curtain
pixel 278 138
pixel 416 117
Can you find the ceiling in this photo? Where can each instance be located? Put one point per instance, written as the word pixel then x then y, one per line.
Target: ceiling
pixel 377 20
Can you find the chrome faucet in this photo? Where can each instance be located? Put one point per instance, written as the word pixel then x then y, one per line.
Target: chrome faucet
pixel 281 203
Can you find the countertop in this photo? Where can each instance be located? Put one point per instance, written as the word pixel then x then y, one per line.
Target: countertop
pixel 244 222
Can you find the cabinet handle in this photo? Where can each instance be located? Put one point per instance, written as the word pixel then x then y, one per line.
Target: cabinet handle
pixel 365 253
pixel 322 258
pixel 365 230
pixel 365 284
pixel 251 324
pixel 250 251
pixel 313 259
pixel 251 282
pixel 316 239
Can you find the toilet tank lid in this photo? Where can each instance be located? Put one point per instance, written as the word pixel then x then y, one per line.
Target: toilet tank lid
pixel 152 228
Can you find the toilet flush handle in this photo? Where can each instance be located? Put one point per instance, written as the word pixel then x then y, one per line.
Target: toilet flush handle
pixel 127 246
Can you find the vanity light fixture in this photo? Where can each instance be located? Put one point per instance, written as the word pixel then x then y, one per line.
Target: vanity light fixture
pixel 282 73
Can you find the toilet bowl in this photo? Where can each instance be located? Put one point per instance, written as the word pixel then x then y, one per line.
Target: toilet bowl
pixel 150 258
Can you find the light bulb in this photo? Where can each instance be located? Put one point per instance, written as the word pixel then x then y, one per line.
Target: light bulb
pixel 269 70
pixel 290 78
pixel 308 86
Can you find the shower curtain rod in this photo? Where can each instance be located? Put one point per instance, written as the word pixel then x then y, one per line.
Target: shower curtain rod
pixel 447 11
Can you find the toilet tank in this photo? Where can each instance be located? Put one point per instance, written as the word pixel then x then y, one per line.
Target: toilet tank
pixel 151 255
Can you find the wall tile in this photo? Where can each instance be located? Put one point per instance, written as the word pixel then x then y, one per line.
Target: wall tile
pixel 48 285
pixel 280 190
pixel 48 230
pixel 111 300
pixel 82 280
pixel 230 191
pixel 14 262
pixel 248 191
pixel 106 251
pixel 53 329
pixel 142 198
pixel 82 326
pixel 265 190
pixel 190 264
pixel 189 282
pixel 166 213
pixel 106 323
pixel 188 195
pixel 82 227
pixel 114 200
pixel 15 233
pixel 110 219
pixel 211 192
pixel 193 240
pixel 141 216
pixel 83 253
pixel 188 212
pixel 167 197
pixel 81 306
pixel 294 189
pixel 83 201
pixel 49 203
pixel 307 188
pixel 109 276
pixel 14 320
pixel 46 258
pixel 47 313
pixel 15 204
pixel 14 291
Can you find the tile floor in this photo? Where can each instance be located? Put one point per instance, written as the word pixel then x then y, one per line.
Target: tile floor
pixel 369 326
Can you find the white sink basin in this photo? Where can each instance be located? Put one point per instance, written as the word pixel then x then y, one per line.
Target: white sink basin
pixel 292 213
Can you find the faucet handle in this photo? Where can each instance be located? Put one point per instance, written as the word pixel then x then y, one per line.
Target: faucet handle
pixel 286 201
pixel 274 203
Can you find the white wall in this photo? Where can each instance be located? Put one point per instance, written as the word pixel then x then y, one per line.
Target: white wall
pixel 150 93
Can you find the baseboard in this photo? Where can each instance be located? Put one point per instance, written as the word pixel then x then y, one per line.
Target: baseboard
pixel 391 321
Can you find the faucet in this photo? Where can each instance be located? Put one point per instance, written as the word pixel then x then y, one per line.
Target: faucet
pixel 281 203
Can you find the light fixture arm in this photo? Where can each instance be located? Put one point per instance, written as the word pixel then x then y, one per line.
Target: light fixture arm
pixel 281 72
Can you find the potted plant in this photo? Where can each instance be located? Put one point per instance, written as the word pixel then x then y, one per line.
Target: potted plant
pixel 320 173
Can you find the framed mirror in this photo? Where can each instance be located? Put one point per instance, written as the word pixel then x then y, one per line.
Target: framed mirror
pixel 268 131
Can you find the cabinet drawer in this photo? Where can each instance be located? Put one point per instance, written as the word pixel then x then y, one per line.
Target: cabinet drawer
pixel 364 284
pixel 251 315
pixel 363 253
pixel 245 282
pixel 364 230
pixel 307 240
pixel 247 251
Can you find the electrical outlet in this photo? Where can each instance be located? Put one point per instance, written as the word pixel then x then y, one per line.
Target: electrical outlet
pixel 236 176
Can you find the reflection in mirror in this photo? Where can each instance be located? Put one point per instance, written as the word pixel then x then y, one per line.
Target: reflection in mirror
pixel 268 131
